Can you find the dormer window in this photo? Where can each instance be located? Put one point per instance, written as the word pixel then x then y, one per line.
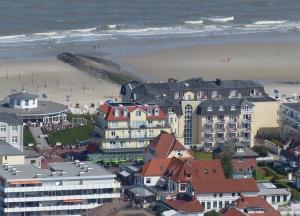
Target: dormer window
pixel 232 93
pixel 214 94
pixel 125 112
pixel 253 92
pixel 200 95
pixel 156 111
pixel 233 108
pixel 171 110
pixel 221 108
pixel 149 111
pixel 177 95
pixel 116 112
pixel 246 108
pixel 205 171
pixel 240 149
pixel 209 109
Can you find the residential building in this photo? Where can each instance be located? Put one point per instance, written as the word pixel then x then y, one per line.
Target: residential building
pixel 273 195
pixel 181 100
pixel 236 118
pixel 10 155
pixel 243 158
pixel 249 206
pixel 183 204
pixel 128 126
pixel 289 120
pixel 166 145
pixel 66 188
pixel 292 150
pixel 203 179
pixel 219 193
pixel 11 130
pixel 29 108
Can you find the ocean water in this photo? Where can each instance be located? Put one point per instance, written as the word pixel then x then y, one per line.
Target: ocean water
pixel 52 22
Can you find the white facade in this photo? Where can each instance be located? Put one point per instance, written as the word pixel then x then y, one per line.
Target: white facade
pixel 56 194
pixel 217 201
pixel 24 103
pixel 12 134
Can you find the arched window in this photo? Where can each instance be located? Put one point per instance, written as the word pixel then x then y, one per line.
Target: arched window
pixel 188 124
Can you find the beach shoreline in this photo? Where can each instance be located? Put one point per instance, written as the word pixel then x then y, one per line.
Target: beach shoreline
pixel 273 63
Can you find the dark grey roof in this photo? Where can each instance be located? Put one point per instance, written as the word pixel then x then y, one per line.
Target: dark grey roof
pixel 10 118
pixel 31 153
pixel 294 106
pixel 162 93
pixel 44 108
pixel 22 95
pixel 7 149
pixel 202 108
pixel 231 146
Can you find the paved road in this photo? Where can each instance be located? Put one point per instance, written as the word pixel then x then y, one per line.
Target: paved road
pixel 36 132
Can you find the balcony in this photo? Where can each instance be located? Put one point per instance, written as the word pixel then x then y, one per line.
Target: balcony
pixel 233 129
pixel 246 129
pixel 247 120
pixel 208 131
pixel 208 122
pixel 220 139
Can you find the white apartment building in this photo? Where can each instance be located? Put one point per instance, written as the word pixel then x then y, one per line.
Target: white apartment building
pixel 11 130
pixel 289 120
pixel 66 188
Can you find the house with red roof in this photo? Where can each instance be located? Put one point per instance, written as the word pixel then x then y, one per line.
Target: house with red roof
pixel 204 179
pixel 183 204
pixel 128 127
pixel 165 145
pixel 249 206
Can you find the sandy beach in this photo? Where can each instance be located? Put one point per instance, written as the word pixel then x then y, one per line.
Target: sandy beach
pixel 257 61
pixel 55 79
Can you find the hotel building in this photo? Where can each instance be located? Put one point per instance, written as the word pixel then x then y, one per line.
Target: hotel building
pixel 183 100
pixel 66 188
pixel 289 120
pixel 128 126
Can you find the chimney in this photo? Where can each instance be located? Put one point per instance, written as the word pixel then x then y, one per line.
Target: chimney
pixel 85 168
pixel 77 163
pixel 81 165
pixel 218 81
pixel 9 168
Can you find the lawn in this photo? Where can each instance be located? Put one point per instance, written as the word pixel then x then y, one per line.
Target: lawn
pixel 267 173
pixel 277 142
pixel 28 137
pixel 72 135
pixel 203 155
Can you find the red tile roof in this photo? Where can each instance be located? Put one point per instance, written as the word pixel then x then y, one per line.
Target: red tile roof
pixel 108 109
pixel 254 203
pixel 182 170
pixel 231 212
pixel 185 206
pixel 155 167
pixel 164 144
pixel 225 186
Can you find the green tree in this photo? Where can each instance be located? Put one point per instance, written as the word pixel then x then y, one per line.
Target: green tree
pixel 227 165
pixel 212 213
pixel 261 151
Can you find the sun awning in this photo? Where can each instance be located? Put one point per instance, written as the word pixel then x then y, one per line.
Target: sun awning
pixel 124 173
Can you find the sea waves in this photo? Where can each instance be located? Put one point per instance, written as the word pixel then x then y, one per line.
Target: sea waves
pixel 211 26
